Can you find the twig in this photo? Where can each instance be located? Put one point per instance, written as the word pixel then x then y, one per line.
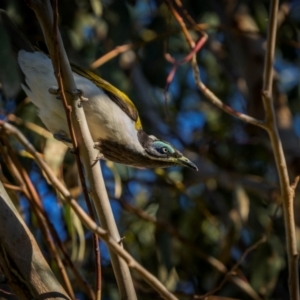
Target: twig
pixel 36 204
pixel 38 208
pixel 232 271
pixel 217 264
pixel 202 87
pixel 12 187
pixel 90 224
pixel 271 127
pixel 21 260
pixel 110 55
pixel 87 152
pixel 68 111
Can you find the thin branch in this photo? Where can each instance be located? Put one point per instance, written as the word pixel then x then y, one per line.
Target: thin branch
pixel 286 193
pixel 270 126
pixel 42 217
pixel 232 272
pixel 201 86
pixel 215 263
pixel 21 260
pixel 86 149
pixel 110 55
pixel 68 110
pixel 90 224
pixel 37 206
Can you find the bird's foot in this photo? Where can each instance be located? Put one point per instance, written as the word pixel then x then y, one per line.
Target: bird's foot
pixel 99 156
pixel 62 137
pixel 80 94
pixel 97 145
pixel 54 90
pixel 121 240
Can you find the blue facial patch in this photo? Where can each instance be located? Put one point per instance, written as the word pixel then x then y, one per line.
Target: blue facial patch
pixel 163 148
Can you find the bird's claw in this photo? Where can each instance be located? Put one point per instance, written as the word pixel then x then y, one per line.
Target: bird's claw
pixel 97 145
pixel 98 157
pixel 121 240
pixel 62 137
pixel 80 94
pixel 54 90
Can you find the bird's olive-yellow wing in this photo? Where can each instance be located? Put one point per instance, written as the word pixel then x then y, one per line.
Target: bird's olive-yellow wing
pixel 113 93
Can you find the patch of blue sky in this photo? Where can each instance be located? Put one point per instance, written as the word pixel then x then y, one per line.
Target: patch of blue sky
pixel 117 210
pixel 143 12
pixel 294 12
pixel 49 200
pixel 239 134
pixel 109 179
pixel 104 254
pixel 88 32
pixel 186 287
pixel 185 202
pixel 188 122
pixel 163 127
pixel 176 143
pixel 147 175
pixel 236 253
pixel 288 74
pixel 9 106
pixel 79 296
pixel 81 201
pixel 246 236
pixel 174 87
pixel 25 208
pixel 219 36
pixel 136 187
pixel 237 101
pixel 296 124
pixel 195 190
pixel 190 101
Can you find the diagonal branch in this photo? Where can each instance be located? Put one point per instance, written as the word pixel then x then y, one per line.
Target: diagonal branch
pixel 113 245
pixel 201 86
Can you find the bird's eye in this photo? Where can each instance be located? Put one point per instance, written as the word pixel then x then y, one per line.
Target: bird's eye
pixel 162 147
pixel 164 150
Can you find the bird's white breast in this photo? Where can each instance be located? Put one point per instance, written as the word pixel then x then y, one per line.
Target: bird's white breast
pixel 105 118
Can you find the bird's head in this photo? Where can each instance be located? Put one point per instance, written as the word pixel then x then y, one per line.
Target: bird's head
pixel 164 153
pixel 152 153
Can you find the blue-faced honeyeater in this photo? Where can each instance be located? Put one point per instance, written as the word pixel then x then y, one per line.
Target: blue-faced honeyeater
pixel 112 118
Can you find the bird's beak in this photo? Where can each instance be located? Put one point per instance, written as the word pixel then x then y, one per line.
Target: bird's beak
pixel 183 161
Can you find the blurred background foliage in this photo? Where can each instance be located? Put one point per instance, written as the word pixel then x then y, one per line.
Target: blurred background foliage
pixel 187 228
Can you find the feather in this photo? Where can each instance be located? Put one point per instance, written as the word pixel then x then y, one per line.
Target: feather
pixel 115 95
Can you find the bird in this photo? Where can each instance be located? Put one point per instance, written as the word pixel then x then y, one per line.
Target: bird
pixel 112 118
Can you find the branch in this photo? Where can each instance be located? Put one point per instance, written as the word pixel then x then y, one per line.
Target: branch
pixel 27 188
pixel 271 127
pixel 21 175
pixel 87 152
pixel 113 245
pixel 201 86
pixel 21 260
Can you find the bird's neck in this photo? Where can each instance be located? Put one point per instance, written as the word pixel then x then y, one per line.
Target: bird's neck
pixel 143 138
